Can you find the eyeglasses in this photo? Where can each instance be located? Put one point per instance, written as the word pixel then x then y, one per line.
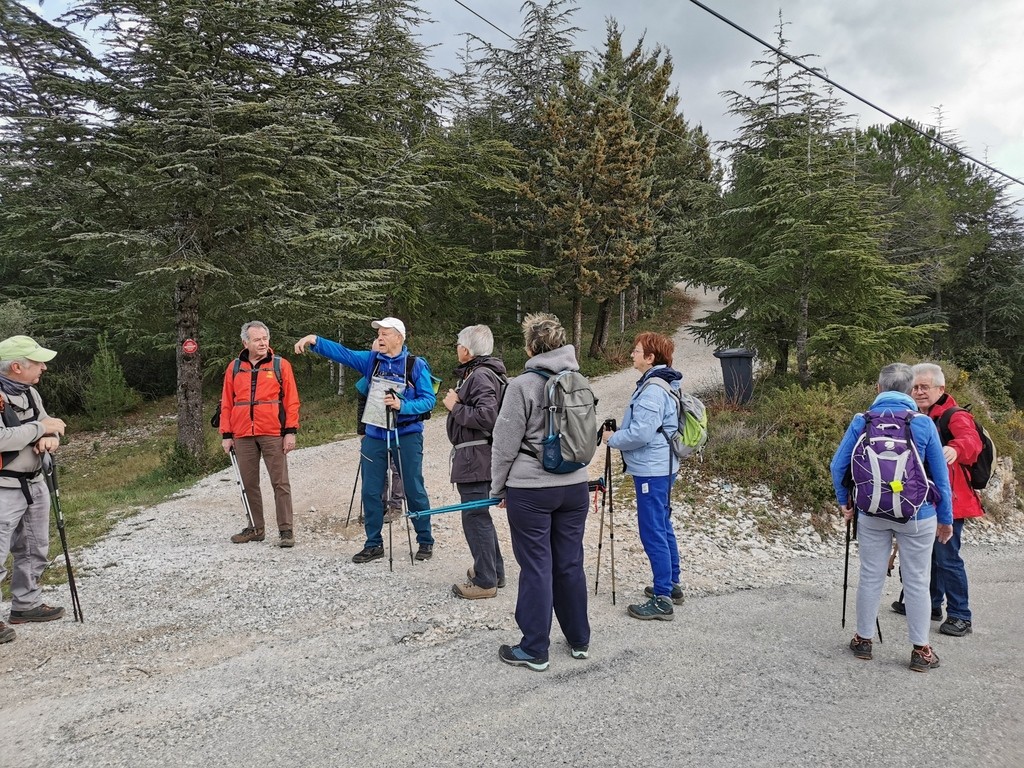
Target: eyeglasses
pixel 922 387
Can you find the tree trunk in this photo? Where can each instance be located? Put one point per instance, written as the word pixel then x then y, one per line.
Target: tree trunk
pixel 599 343
pixel 633 304
pixel 803 370
pixel 577 322
pixel 782 362
pixel 190 377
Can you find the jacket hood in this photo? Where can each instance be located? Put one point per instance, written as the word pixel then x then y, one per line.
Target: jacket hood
pixel 942 405
pixel 896 401
pixel 244 355
pixel 480 361
pixel 661 372
pixel 555 360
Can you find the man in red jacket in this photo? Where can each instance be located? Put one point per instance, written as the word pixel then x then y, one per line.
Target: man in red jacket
pixel 260 417
pixel 949 577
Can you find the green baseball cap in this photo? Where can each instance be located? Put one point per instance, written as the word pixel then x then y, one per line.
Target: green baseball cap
pixel 24 348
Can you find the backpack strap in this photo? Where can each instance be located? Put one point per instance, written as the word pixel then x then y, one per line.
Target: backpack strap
pixel 526 447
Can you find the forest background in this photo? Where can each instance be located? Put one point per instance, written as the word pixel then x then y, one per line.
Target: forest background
pixel 170 169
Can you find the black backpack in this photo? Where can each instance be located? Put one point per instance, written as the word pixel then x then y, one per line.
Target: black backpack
pixel 980 472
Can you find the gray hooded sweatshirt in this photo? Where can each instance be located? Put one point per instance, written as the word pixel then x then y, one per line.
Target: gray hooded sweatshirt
pixel 522 417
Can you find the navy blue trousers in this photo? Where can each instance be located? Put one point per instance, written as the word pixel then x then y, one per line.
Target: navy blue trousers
pixel 547 527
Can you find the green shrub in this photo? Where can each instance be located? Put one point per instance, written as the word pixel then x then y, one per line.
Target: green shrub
pixel 107 394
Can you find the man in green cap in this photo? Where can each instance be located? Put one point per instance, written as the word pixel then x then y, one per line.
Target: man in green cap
pixel 27 434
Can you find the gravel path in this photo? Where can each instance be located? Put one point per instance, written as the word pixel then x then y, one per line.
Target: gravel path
pixel 200 652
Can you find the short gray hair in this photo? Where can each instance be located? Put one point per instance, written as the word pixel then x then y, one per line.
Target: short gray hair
pixel 253 324
pixel 896 377
pixel 477 339
pixel 931 370
pixel 542 332
pixel 5 365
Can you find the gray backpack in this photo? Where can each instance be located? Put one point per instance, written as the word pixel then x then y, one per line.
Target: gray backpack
pixel 570 440
pixel 692 430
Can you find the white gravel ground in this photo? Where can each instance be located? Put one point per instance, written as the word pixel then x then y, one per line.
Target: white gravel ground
pixel 199 652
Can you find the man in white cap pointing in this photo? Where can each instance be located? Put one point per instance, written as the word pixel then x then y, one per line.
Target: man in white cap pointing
pixel 401 395
pixel 27 433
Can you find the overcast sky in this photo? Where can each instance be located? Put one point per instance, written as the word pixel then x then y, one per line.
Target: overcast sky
pixel 908 56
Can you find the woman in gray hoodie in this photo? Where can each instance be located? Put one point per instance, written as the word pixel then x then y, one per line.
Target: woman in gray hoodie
pixel 547 512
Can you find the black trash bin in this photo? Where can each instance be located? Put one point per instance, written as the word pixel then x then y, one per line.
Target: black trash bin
pixel 738 374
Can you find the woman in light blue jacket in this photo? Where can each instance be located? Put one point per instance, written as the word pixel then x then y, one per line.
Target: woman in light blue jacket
pixel 650 420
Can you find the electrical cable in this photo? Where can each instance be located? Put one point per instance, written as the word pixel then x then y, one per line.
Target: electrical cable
pixel 817 73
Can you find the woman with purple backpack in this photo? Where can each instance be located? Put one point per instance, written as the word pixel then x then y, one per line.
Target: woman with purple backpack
pixel 890 468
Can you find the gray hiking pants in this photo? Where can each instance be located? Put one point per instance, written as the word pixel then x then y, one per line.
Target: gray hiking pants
pixel 25 534
pixel 916 539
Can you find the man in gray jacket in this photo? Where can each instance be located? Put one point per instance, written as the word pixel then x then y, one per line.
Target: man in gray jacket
pixel 473 409
pixel 27 435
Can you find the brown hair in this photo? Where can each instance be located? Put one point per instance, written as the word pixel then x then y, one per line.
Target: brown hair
pixel 658 345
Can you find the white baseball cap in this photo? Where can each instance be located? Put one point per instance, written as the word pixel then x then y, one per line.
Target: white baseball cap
pixel 390 322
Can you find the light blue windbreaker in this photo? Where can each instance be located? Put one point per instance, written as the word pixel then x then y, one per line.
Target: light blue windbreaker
pixel 646 451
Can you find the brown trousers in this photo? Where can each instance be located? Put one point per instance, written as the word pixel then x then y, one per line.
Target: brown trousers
pixel 248 451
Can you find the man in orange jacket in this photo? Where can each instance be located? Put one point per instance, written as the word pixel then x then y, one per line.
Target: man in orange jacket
pixel 949 577
pixel 260 417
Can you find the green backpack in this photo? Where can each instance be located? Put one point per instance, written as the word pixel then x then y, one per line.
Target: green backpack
pixel 692 430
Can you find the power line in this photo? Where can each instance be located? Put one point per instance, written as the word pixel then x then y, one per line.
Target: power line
pixel 834 84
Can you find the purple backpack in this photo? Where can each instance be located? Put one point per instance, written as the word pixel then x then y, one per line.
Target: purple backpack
pixel 889 477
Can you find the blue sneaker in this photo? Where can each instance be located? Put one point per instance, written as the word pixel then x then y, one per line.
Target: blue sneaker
pixel 517 657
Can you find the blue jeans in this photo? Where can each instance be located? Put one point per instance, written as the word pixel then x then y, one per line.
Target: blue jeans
pixel 547 527
pixel 656 534
pixel 949 577
pixel 407 452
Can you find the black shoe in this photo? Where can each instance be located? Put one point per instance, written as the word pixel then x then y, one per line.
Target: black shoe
pixel 42 612
pixel 901 608
pixel 7 634
pixel 367 554
pixel 287 539
pixel 677 594
pixel 657 608
pixel 425 552
pixel 580 651
pixel 955 627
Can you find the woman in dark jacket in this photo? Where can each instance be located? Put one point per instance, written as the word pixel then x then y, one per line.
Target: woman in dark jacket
pixel 473 408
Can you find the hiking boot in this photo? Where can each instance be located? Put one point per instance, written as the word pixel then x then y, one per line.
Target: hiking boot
pixel 677 594
pixel 923 659
pixel 392 512
pixel 287 539
pixel 7 634
pixel 249 534
pixel 515 656
pixel 900 607
pixel 656 608
pixel 42 612
pixel 471 574
pixel 366 554
pixel 470 591
pixel 956 627
pixel 425 552
pixel 579 651
pixel 861 648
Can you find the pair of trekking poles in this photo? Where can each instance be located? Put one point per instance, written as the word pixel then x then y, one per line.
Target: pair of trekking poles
pixel 50 472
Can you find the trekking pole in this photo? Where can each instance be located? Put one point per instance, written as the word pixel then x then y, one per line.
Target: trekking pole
pixel 846 570
pixel 351 501
pixel 387 483
pixel 393 419
pixel 241 487
pixel 600 528
pixel 51 475
pixel 611 511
